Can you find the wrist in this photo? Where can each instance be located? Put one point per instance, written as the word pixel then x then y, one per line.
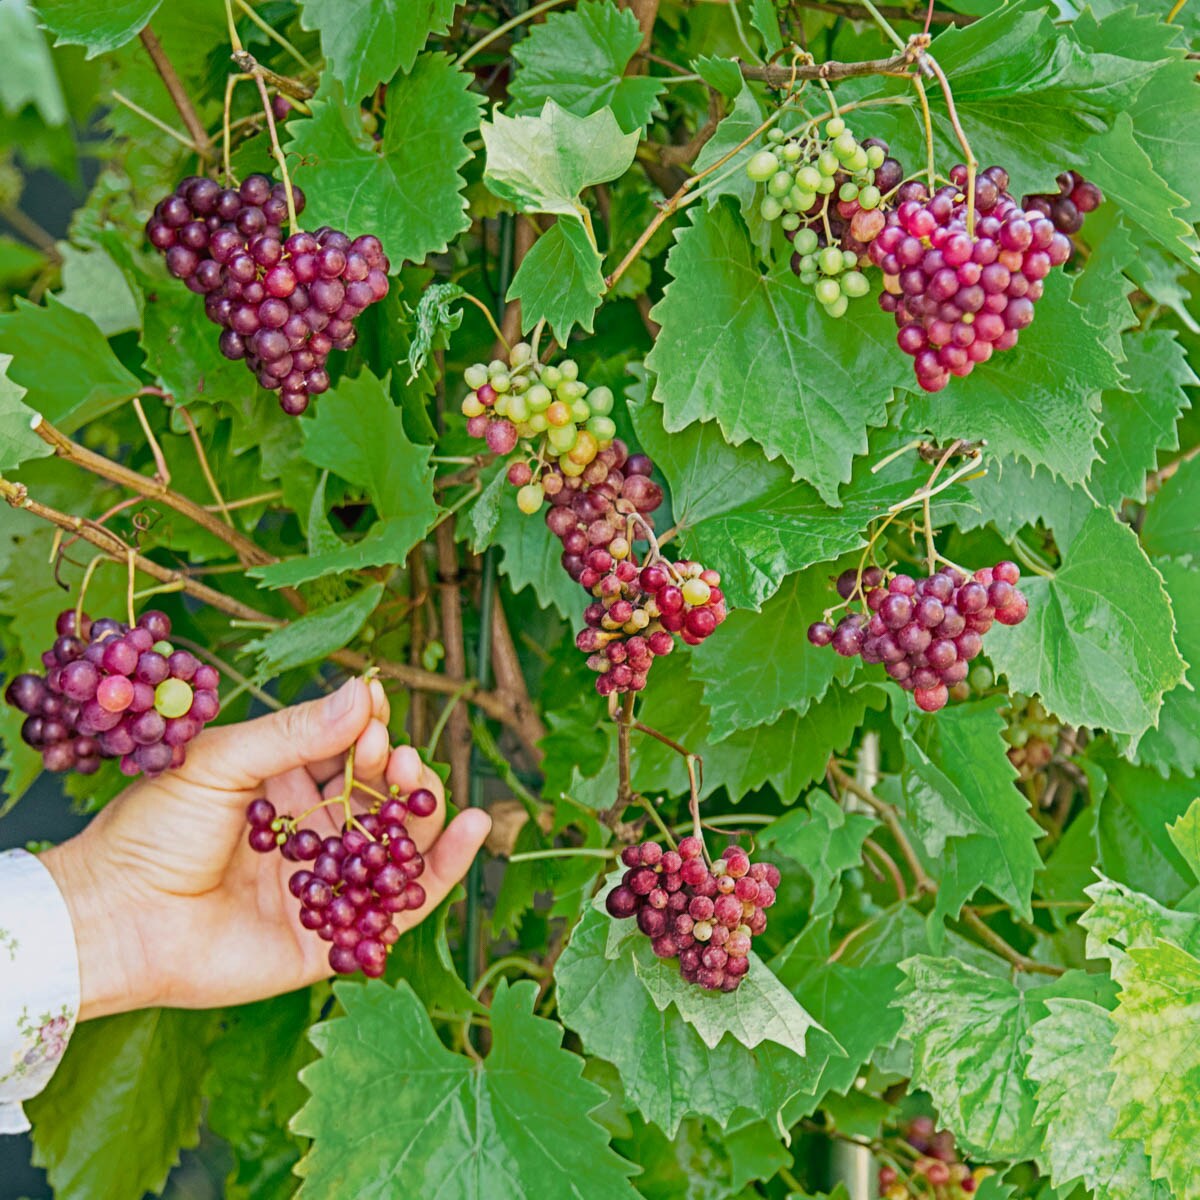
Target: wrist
pixel 105 934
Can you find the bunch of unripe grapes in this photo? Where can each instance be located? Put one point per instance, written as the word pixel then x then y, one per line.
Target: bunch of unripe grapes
pixel 957 297
pixel 937 1174
pixel 357 880
pixel 111 691
pixel 1031 734
pixel 545 404
pixel 1067 207
pixel 924 631
pixel 283 303
pixel 828 194
pixel 706 916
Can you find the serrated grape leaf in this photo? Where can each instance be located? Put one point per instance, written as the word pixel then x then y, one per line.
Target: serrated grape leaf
pixel 755 1152
pixel 542 163
pixel 824 839
pixel 1156 1061
pixel 559 280
pixel 29 76
pixel 69 373
pixel 495 1130
pixel 961 795
pixel 1172 525
pixel 18 442
pixel 1069 1051
pixel 1034 402
pixel 407 190
pixel 1185 833
pixel 745 517
pixel 100 25
pixel 579 59
pixel 1098 645
pixel 124 1102
pixel 1121 919
pixel 743 119
pixel 666 1069
pixel 762 664
pixel 316 634
pixel 533 558
pixel 967 1030
pixel 358 433
pixel 365 42
pixel 755 353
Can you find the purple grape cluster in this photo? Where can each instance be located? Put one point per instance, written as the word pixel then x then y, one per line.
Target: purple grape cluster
pixel 357 881
pixel 1067 207
pixel 704 916
pixel 283 304
pixel 110 691
pixel 924 631
pixel 956 298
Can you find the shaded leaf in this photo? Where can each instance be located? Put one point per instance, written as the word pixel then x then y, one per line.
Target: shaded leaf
pixel 316 634
pixel 559 280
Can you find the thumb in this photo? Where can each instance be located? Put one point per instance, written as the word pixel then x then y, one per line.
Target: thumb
pixel 245 755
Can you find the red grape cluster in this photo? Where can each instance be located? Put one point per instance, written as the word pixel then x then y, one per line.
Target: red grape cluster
pixel 958 298
pixel 1067 207
pixel 704 916
pixel 937 1174
pixel 283 304
pixel 110 691
pixel 358 880
pixel 925 631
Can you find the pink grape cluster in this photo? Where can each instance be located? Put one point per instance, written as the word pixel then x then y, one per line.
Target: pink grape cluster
pixel 358 880
pixel 958 298
pixel 110 691
pixel 924 631
pixel 1067 207
pixel 283 304
pixel 704 916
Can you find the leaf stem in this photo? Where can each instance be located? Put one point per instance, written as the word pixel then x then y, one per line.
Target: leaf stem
pixel 562 852
pixel 448 708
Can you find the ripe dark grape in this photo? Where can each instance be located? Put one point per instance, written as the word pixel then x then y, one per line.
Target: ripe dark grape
pixel 110 693
pixel 925 631
pixel 358 880
pixel 229 246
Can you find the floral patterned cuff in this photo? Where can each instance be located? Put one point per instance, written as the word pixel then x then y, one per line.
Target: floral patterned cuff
pixel 39 983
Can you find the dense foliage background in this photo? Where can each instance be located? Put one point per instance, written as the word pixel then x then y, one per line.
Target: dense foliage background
pixel 990 915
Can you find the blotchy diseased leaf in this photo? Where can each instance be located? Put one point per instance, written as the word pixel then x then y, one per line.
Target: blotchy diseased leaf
pixel 366 42
pixel 1121 919
pixel 579 59
pixel 1069 1052
pixel 514 1127
pixel 1098 645
pixel 1185 833
pixel 559 280
pixel 755 353
pixel 408 190
pixel 1156 1061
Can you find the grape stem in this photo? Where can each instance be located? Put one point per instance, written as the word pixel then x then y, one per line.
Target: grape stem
pixel 451 704
pixel 927 59
pixel 930 548
pixel 131 564
pixel 1176 9
pixel 179 97
pixel 1029 560
pixel 162 473
pixel 915 444
pixel 202 458
pixel 889 864
pixel 487 312
pixel 83 587
pixel 624 724
pixel 695 774
pixel 276 149
pixel 562 852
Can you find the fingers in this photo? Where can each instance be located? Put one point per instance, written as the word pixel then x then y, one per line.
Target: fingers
pixel 243 756
pixel 406 771
pixel 448 860
pixel 381 710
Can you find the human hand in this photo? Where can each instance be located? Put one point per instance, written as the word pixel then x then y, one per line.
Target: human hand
pixel 170 905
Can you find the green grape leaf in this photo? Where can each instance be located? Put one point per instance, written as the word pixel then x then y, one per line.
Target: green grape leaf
pixel 69 373
pixel 422 959
pixel 358 433
pixel 765 18
pixel 967 1030
pixel 1121 919
pixel 124 1102
pixel 99 26
pixel 761 666
pixel 1098 645
pixel 18 442
pixel 407 190
pixel 1172 525
pixel 1033 402
pixel 434 320
pixel 960 794
pixel 559 280
pixel 743 119
pixel 1069 1052
pixel 315 635
pixel 533 558
pixel 365 42
pixel 579 59
pixel 1185 833
pixel 756 353
pixel 29 76
pixel 1156 1061
pixel 667 1070
pixel 93 284
pixel 501 1132
pixel 542 163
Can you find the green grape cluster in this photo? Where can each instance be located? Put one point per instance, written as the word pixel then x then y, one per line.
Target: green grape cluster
pixel 545 404
pixel 1031 735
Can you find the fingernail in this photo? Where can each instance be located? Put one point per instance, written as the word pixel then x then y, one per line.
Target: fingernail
pixel 342 701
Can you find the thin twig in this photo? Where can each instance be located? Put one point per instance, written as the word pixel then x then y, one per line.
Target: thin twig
pixel 1020 962
pixel 856 12
pixel 274 35
pixel 161 125
pixel 179 97
pixel 890 866
pixel 31 231
pixel 162 473
pixel 264 698
pixel 780 76
pixel 500 30
pixel 624 724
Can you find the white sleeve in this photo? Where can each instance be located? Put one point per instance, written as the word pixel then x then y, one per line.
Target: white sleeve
pixel 39 983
